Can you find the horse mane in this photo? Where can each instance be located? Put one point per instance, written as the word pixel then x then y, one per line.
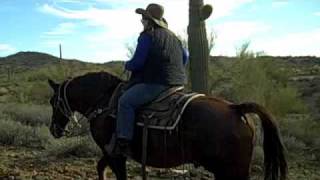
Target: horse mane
pixel 94 75
pixel 97 79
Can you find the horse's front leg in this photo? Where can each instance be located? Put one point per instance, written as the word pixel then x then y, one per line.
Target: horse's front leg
pixel 117 165
pixel 101 167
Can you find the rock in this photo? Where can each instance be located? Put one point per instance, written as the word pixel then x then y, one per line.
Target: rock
pixel 19 178
pixel 39 177
pixel 34 173
pixel 179 171
pixel 3 91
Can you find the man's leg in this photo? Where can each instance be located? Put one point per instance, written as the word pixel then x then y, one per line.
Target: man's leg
pixel 132 99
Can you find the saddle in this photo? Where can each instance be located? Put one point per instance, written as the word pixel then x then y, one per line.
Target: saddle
pixel 163 113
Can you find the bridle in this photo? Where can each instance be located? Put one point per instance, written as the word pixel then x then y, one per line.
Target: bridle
pixel 62 104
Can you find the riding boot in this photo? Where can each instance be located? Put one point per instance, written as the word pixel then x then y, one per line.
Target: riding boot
pixel 123 147
pixel 119 147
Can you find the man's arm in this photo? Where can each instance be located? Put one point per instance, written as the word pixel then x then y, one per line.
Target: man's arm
pixel 185 56
pixel 140 55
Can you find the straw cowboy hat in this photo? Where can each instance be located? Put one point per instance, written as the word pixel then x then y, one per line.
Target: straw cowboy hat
pixel 155 13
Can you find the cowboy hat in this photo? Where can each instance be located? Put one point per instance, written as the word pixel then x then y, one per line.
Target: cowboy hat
pixel 155 13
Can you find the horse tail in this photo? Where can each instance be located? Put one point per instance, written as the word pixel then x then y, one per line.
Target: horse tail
pixel 274 157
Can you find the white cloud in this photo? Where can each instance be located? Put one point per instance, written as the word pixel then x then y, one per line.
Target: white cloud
pixel 62 29
pixel 120 24
pixel 279 4
pixel 110 18
pixel 294 44
pixel 317 13
pixel 223 8
pixel 69 1
pixel 53 43
pixel 233 34
pixel 6 49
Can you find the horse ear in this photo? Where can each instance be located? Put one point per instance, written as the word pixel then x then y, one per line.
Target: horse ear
pixel 53 84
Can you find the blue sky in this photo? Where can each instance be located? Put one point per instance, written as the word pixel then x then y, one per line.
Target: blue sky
pixel 99 30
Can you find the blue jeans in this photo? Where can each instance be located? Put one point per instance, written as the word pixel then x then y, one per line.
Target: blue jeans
pixel 136 96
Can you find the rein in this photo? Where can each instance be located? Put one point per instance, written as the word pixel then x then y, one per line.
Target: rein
pixel 62 104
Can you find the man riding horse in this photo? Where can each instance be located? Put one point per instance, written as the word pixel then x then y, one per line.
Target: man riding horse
pixel 157 64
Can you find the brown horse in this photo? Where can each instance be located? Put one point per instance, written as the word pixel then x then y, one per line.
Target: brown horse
pixel 212 133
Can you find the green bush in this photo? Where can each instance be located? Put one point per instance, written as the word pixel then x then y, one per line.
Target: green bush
pixel 18 134
pixel 75 146
pixel 304 129
pixel 251 78
pixel 38 93
pixel 15 133
pixel 27 114
pixel 318 102
pixel 293 145
pixel 316 148
pixel 301 134
pixel 285 100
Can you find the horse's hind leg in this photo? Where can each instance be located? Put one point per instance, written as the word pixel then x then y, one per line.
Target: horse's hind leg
pixel 227 177
pixel 232 173
pixel 231 170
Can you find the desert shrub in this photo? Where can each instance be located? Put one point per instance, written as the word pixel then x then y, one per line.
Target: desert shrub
pixel 28 131
pixel 250 78
pixel 27 114
pixel 42 74
pixel 301 134
pixel 293 145
pixel 58 72
pixel 15 133
pixel 219 78
pixel 250 82
pixel 38 93
pixel 305 129
pixel 3 91
pixel 316 148
pixel 75 146
pixel 285 100
pixel 318 102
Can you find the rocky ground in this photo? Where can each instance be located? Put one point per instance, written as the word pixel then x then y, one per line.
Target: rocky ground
pixel 25 164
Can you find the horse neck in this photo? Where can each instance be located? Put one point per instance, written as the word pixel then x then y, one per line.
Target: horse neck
pixel 98 96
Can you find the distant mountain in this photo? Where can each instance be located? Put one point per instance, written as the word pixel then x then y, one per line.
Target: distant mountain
pixel 32 60
pixel 37 59
pixel 28 60
pixel 22 63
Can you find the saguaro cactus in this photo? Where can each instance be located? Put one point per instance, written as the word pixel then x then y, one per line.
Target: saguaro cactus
pixel 198 45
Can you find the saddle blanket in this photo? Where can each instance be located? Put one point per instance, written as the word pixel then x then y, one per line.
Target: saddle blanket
pixel 165 112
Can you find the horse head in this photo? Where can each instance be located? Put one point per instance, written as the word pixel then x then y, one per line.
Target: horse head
pixel 83 94
pixel 61 110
